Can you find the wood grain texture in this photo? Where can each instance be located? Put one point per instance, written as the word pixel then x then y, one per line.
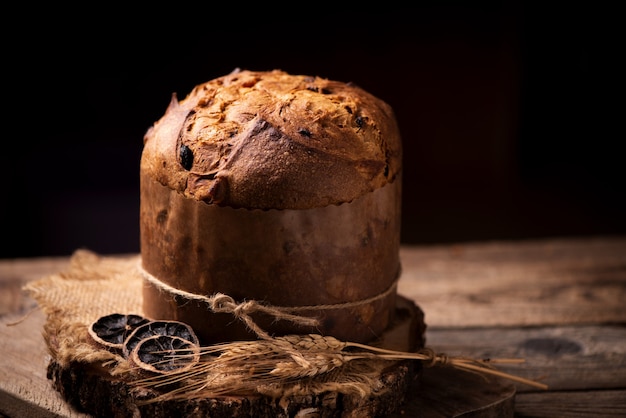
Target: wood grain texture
pixel 518 283
pixel 575 404
pixel 563 357
pixel 446 392
pixel 24 387
pixel 15 273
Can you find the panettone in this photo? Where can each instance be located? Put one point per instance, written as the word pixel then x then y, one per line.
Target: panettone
pixel 277 188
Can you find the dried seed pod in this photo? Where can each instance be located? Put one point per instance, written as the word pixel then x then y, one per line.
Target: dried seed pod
pixel 112 330
pixel 165 353
pixel 159 327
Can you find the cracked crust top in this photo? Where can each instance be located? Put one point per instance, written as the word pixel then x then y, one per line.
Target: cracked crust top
pixel 272 140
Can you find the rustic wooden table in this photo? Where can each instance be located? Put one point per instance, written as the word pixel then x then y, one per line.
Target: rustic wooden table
pixel 560 304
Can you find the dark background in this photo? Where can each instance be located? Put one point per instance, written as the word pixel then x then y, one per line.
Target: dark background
pixel 510 114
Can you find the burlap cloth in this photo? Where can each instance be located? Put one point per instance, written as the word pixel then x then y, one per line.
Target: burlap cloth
pixel 72 300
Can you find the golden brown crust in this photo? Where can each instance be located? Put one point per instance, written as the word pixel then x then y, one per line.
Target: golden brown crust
pixel 271 140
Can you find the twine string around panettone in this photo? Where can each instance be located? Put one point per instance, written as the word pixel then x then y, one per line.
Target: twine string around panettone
pixel 222 303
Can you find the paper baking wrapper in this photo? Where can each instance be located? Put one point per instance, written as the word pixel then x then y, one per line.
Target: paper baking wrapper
pixel 288 258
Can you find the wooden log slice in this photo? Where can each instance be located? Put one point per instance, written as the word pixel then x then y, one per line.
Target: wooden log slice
pixel 103 396
pixel 91 389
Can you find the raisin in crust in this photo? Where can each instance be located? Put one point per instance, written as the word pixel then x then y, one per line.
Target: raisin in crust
pixel 272 140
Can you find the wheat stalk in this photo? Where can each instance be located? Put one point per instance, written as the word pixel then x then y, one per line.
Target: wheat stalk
pixel 246 367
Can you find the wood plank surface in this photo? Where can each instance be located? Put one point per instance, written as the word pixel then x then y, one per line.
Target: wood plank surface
pixel 575 404
pixel 563 357
pixel 25 390
pixel 559 304
pixel 541 282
